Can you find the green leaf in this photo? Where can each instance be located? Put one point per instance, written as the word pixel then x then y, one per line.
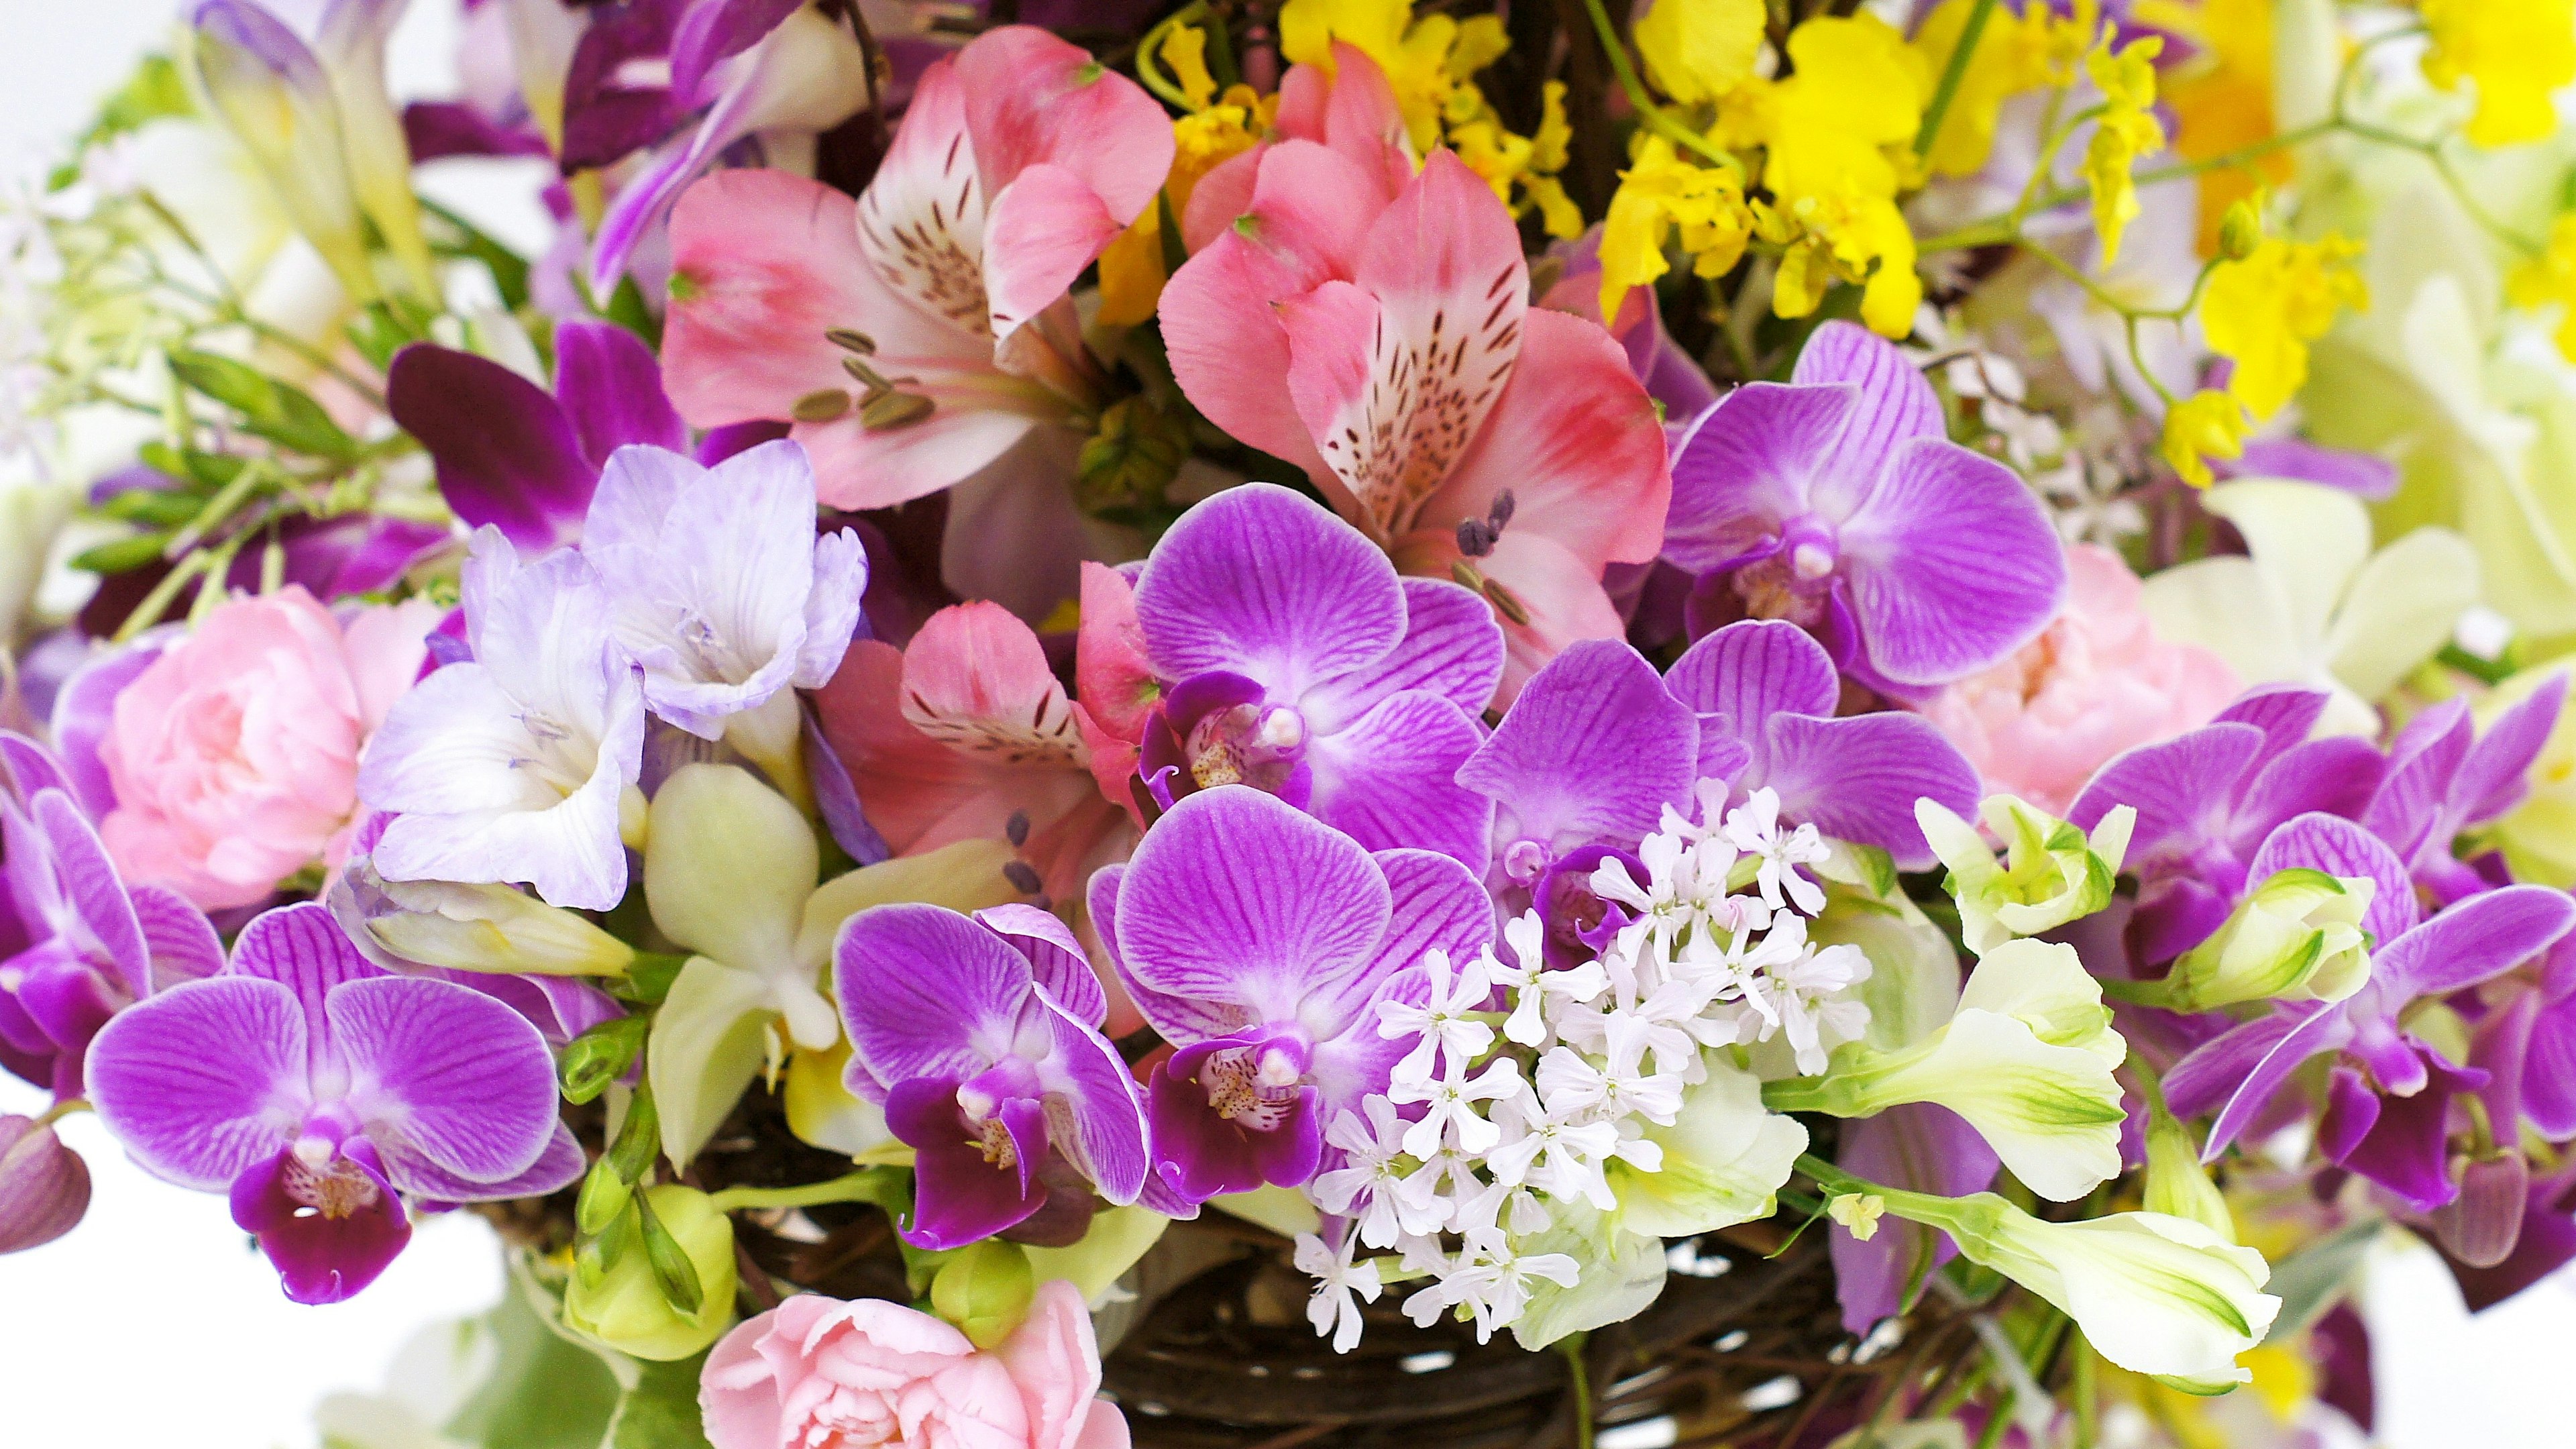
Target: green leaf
pixel 119 555
pixel 626 308
pixel 2310 1280
pixel 661 1410
pixel 545 1392
pixel 152 92
pixel 280 412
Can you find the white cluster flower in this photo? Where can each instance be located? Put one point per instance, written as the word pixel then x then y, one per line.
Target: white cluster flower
pixel 1482 1136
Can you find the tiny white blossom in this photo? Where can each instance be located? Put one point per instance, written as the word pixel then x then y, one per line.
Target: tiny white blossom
pixel 1558 1154
pixel 1453 1114
pixel 1364 1186
pixel 1754 828
pixel 1338 1281
pixel 1447 1023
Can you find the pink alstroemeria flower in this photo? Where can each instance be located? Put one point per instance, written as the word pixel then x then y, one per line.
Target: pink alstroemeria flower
pixel 1017 163
pixel 1387 346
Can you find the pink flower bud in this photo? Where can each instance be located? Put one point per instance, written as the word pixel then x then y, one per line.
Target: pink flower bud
pixel 44 1186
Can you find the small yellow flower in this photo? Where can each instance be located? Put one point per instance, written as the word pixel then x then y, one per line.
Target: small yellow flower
pixel 2551 277
pixel 1856 94
pixel 2222 103
pixel 2015 53
pixel 2516 51
pixel 2264 311
pixel 1131 269
pixel 2127 130
pixel 1184 50
pixel 1698 50
pixel 2202 426
pixel 1659 192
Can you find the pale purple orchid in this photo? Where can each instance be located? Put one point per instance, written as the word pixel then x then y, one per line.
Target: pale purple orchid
pixel 2208 799
pixel 77 945
pixel 981 1038
pixel 1294 660
pixel 771 71
pixel 1765 693
pixel 1261 944
pixel 2526 1043
pixel 716 583
pixel 2387 1108
pixel 513 766
pixel 510 454
pixel 2443 778
pixel 1837 501
pixel 1921 1147
pixel 314 1089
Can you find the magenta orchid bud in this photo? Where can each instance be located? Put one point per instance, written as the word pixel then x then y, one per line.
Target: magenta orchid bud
pixel 44 1185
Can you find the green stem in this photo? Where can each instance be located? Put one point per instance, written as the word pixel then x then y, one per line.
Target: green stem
pixel 1572 1348
pixel 62 1109
pixel 1951 74
pixel 864 1186
pixel 1655 117
pixel 1150 70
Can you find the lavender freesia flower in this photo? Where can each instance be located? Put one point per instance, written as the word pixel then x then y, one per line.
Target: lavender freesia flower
pixel 2208 799
pixel 982 1042
pixel 1260 943
pixel 1837 501
pixel 2443 778
pixel 1765 694
pixel 314 1088
pixel 79 944
pixel 513 766
pixel 717 584
pixel 1296 661
pixel 2388 1100
pixel 512 455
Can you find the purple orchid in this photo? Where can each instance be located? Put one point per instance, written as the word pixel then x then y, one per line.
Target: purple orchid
pixel 1765 693
pixel 981 1038
pixel 513 456
pixel 2208 799
pixel 77 945
pixel 1296 661
pixel 1838 502
pixel 2526 1043
pixel 1261 943
pixel 2388 1096
pixel 1922 1148
pixel 2444 778
pixel 314 1088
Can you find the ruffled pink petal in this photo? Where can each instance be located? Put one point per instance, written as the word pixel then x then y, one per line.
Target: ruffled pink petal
pixel 975 679
pixel 1044 229
pixel 1110 670
pixel 1055 1362
pixel 1034 100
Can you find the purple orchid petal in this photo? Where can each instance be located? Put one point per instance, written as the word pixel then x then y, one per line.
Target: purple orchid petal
pixel 961 1195
pixel 1202 1154
pixel 1178 1018
pixel 1262 582
pixel 1896 405
pixel 1452 648
pixel 2285 713
pixel 1055 957
pixel 28 767
pixel 1106 1108
pixel 1590 753
pixel 1360 1062
pixel 2495 777
pixel 1390 779
pixel 1857 779
pixel 1748 467
pixel 2549 1070
pixel 2406 1149
pixel 322 1255
pixel 2179 787
pixel 2351 1110
pixel 2335 776
pixel 506 453
pixel 921 988
pixel 444 1074
pixel 2244 1067
pixel 559 1166
pixel 1438 906
pixel 1741 676
pixel 181 941
pixel 1234 897
pixel 192 1080
pixel 1921 1148
pixel 2364 475
pixel 2481 937
pixel 2338 847
pixel 605 117
pixel 2407 810
pixel 91 889
pixel 1952 562
pixel 716 31
pixel 610 385
pixel 302 948
pixel 84 711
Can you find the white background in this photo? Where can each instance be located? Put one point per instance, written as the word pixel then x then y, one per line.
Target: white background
pixel 155 1324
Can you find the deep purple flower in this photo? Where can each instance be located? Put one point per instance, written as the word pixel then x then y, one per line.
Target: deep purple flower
pixel 1765 693
pixel 77 945
pixel 2444 778
pixel 1296 661
pixel 2208 799
pixel 511 455
pixel 2388 1095
pixel 981 1038
pixel 1838 502
pixel 313 1088
pixel 1260 943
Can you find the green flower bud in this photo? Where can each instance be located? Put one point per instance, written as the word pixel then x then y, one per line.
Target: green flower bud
pixel 2177 1185
pixel 628 1307
pixel 2240 230
pixel 497 929
pixel 600 1056
pixel 2051 873
pixel 1125 466
pixel 605 1197
pixel 2295 937
pixel 985 1290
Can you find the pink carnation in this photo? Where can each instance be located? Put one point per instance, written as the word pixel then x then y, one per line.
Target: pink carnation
pixel 2094 683
pixel 234 754
pixel 818 1371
